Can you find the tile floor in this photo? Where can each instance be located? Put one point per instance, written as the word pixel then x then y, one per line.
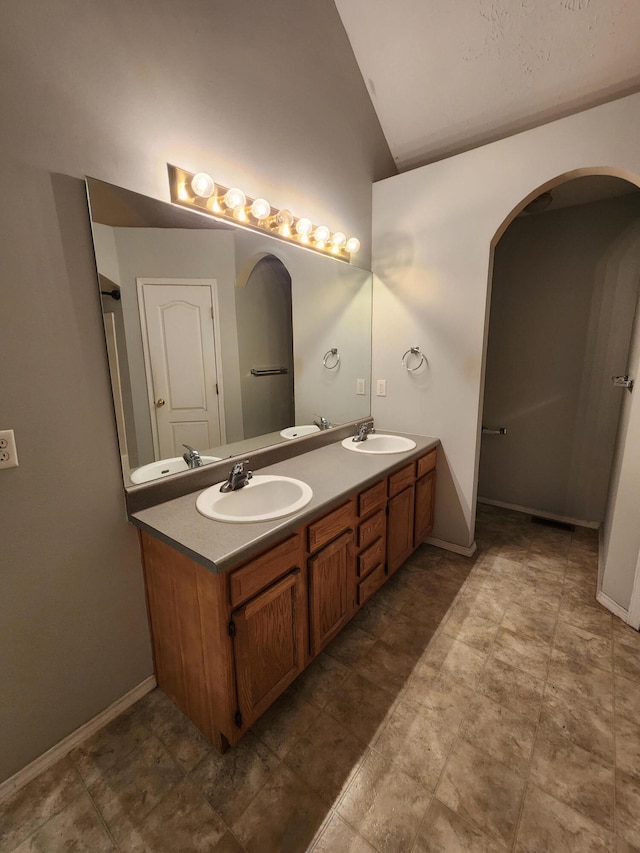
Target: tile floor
pixel 473 705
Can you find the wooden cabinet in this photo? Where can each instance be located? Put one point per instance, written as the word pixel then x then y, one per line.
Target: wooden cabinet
pixel 424 504
pixel 331 590
pixel 268 643
pixel 400 522
pixel 227 645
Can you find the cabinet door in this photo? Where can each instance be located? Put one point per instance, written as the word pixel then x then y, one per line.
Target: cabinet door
pixel 268 642
pixel 425 496
pixel 331 590
pixel 399 529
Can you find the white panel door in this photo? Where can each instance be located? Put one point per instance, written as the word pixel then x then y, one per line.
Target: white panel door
pixel 180 349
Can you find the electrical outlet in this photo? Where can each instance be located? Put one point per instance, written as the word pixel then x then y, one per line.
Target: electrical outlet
pixel 361 386
pixel 8 452
pixel 381 387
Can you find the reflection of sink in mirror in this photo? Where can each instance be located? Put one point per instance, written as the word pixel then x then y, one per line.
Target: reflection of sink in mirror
pixel 380 443
pixel 163 467
pixel 265 497
pixel 298 431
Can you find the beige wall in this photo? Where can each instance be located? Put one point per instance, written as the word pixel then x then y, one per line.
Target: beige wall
pixel 433 230
pixel 116 90
pixel 562 282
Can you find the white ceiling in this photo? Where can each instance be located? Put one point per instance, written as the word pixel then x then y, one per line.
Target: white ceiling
pixel 448 75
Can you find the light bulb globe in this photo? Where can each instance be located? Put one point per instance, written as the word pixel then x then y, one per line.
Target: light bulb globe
pixel 338 240
pixel 203 185
pixel 321 234
pixel 353 245
pixel 260 209
pixel 304 227
pixel 234 198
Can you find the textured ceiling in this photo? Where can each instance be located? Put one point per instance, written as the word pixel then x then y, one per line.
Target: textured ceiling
pixel 448 75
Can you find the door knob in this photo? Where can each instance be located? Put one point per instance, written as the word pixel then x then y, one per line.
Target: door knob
pixel 159 403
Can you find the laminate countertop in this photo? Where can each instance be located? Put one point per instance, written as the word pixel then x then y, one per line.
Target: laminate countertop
pixel 334 474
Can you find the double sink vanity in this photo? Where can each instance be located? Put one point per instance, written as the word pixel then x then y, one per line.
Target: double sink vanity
pixel 238 608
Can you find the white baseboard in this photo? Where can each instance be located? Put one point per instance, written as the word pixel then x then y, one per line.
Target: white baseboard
pixel 594 525
pixel 451 546
pixel 612 606
pixel 64 747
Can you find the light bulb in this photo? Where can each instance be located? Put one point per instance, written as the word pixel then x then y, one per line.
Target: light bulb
pixel 353 245
pixel 304 227
pixel 338 240
pixel 285 218
pixel 202 185
pixel 260 208
pixel 321 234
pixel 234 198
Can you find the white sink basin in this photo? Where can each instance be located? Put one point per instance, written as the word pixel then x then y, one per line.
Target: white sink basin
pixel 265 497
pixel 297 431
pixel 379 443
pixel 163 467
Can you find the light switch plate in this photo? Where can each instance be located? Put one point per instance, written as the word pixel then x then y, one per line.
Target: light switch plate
pixel 381 387
pixel 8 452
pixel 361 386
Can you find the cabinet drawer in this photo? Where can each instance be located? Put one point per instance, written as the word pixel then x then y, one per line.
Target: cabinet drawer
pixel 330 526
pixel 426 463
pixel 370 558
pixel 247 581
pixel 371 528
pixel 402 478
pixel 372 498
pixel 371 583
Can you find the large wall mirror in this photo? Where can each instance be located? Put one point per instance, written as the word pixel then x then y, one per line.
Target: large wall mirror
pixel 221 339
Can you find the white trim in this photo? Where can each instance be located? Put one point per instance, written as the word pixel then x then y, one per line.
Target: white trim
pixel 612 606
pixel 451 546
pixel 64 747
pixel 566 519
pixel 633 618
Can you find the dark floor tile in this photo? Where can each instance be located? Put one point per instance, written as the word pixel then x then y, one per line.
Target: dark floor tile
pixel 326 756
pixel 482 791
pixel 47 795
pixel 360 706
pixel 183 822
pixel 284 816
pixel 500 733
pixel 386 666
pixel 231 781
pixel 514 688
pixel 320 680
pixel 126 792
pixel 351 644
pixel 110 745
pixel 574 776
pixel 587 724
pixel 444 831
pixel 77 828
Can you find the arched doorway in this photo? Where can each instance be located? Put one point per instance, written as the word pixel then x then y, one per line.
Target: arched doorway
pixel 564 294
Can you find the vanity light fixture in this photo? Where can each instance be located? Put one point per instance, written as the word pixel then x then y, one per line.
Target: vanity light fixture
pixel 198 190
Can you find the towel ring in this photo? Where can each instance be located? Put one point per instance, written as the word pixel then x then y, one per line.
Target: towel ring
pixel 414 351
pixel 333 352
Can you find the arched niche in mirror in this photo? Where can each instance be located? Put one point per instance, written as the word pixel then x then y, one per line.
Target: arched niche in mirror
pixel 265 348
pixel 139 239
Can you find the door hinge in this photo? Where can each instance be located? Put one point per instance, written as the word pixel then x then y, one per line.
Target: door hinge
pixel 217 389
pixel 212 312
pixel 623 382
pixel 232 628
pixel 237 719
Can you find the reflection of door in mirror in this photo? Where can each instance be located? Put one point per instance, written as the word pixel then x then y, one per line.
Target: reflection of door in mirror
pixel 265 348
pixel 180 361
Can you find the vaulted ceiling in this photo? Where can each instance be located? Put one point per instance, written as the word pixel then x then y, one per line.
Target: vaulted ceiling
pixel 448 75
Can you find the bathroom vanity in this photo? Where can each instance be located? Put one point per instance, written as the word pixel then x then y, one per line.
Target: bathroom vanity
pixel 237 611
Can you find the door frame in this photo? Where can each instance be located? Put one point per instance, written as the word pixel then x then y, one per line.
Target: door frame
pixel 212 284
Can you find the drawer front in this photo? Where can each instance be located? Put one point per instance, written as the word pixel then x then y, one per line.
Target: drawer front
pixel 371 528
pixel 330 526
pixel 372 498
pixel 371 583
pixel 370 558
pixel 426 463
pixel 402 478
pixel 251 578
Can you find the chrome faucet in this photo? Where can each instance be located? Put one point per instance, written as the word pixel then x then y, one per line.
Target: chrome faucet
pixel 363 431
pixel 238 477
pixel 322 423
pixel 192 457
